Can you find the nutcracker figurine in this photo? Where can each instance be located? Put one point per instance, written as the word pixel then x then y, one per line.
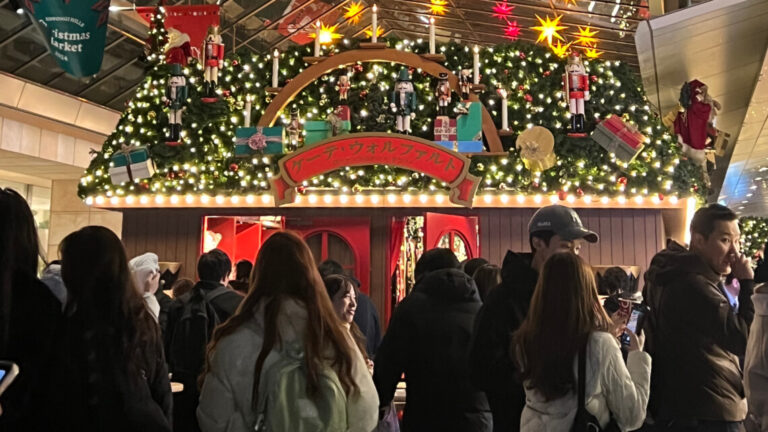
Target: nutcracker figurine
pixel 213 50
pixel 443 94
pixel 465 84
pixel 343 87
pixel 174 98
pixel 294 130
pixel 403 101
pixel 576 87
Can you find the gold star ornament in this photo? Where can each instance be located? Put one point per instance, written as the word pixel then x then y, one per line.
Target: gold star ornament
pixel 438 7
pixel 586 37
pixel 353 11
pixel 549 29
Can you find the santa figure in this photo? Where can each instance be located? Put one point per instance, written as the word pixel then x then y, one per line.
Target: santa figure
pixel 403 101
pixel 178 50
pixel 174 98
pixel 213 52
pixel 443 94
pixel 576 87
pixel 343 87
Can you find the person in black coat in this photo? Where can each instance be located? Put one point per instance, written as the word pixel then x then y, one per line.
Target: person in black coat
pixel 427 339
pixel 551 229
pixel 30 321
pixel 111 371
pixel 366 316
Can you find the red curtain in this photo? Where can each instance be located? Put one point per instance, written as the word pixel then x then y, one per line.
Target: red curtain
pixel 396 236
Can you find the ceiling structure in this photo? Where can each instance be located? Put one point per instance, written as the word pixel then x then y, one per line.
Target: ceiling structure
pixel 261 25
pixel 722 44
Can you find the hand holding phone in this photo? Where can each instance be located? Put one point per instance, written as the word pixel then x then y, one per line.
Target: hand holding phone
pixel 741 266
pixel 8 371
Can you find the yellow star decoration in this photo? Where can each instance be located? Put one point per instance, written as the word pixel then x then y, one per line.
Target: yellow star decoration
pixel 379 31
pixel 570 1
pixel 327 34
pixel 353 11
pixel 437 7
pixel 586 37
pixel 592 53
pixel 559 49
pixel 549 29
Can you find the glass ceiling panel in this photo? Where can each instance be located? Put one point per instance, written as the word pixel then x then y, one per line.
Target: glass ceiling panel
pixel 24 45
pixel 122 80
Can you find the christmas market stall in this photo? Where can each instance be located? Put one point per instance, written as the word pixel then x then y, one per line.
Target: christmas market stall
pixel 379 149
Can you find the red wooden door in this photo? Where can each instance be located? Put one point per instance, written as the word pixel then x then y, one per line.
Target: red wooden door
pixel 346 240
pixel 458 233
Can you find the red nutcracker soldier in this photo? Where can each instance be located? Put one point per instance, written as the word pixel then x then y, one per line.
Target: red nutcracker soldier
pixel 576 87
pixel 213 50
pixel 343 87
pixel 443 94
pixel 465 84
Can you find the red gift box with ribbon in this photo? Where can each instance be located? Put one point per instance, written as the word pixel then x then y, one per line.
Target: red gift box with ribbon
pixel 619 138
pixel 445 129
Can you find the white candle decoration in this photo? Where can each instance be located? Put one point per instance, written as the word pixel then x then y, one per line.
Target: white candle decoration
pixel 504 118
pixel 275 67
pixel 317 39
pixel 247 111
pixel 431 35
pixel 374 25
pixel 476 65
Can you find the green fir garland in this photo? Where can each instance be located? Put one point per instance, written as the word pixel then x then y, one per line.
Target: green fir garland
pixel 205 163
pixel 754 234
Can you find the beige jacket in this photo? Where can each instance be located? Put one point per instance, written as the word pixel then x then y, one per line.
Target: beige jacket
pixel 225 399
pixel 756 366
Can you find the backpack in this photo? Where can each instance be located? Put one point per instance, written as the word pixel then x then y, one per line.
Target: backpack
pixel 194 319
pixel 284 404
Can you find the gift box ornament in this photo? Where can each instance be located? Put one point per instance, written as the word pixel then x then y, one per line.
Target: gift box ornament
pixel 343 112
pixel 469 126
pixel 131 163
pixel 463 146
pixel 619 138
pixel 445 129
pixel 259 140
pixel 537 148
pixel 318 130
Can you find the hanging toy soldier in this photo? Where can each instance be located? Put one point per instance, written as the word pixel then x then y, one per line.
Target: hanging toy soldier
pixel 443 94
pixel 465 84
pixel 343 87
pixel 213 50
pixel 294 130
pixel 174 98
pixel 403 101
pixel 576 87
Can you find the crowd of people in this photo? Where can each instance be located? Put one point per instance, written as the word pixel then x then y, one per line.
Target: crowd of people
pixel 286 345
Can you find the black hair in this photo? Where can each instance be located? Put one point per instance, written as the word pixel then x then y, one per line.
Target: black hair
pixel 19 249
pixel 330 267
pixel 544 235
pixel 705 218
pixel 435 259
pixel 243 270
pixel 213 266
pixel 471 266
pixel 335 282
pixel 614 280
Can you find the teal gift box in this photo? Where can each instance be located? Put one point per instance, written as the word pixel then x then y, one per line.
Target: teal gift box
pixel 130 164
pixel 316 130
pixel 463 146
pixel 261 140
pixel 469 127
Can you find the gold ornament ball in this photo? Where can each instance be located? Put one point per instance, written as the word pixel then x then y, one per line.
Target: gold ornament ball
pixel 151 114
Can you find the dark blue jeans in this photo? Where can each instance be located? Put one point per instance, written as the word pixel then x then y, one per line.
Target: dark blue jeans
pixel 699 426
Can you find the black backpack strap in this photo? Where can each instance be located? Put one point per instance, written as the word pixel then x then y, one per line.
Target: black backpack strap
pixel 215 293
pixel 582 376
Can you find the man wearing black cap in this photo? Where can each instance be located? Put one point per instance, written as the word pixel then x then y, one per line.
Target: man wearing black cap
pixel 552 229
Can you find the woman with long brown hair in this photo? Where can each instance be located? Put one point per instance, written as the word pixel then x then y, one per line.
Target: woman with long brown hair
pixel 565 315
pixel 112 369
pixel 286 306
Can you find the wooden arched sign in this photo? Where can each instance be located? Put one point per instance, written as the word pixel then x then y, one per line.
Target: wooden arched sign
pixel 314 72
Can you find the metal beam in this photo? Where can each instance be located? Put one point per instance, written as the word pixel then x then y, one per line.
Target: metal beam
pixel 106 76
pixel 10 38
pixel 276 22
pixel 44 53
pixel 275 45
pixel 121 94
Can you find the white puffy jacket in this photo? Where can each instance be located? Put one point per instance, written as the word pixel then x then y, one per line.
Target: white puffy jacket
pixel 225 399
pixel 611 388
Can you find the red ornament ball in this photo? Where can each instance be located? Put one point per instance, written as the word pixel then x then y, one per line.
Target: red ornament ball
pixel 364 94
pixel 562 195
pixel 171 175
pixel 358 68
pixel 233 167
pixel 547 73
pixel 622 181
pixel 235 62
pixel 579 192
pixel 661 196
pixel 521 87
pixel 593 78
pixel 301 189
pixel 528 97
pixel 695 188
pixel 144 186
pixel 522 56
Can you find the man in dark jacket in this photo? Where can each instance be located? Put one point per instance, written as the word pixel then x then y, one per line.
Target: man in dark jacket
pixel 551 229
pixel 366 317
pixel 427 339
pixel 693 333
pixel 213 268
